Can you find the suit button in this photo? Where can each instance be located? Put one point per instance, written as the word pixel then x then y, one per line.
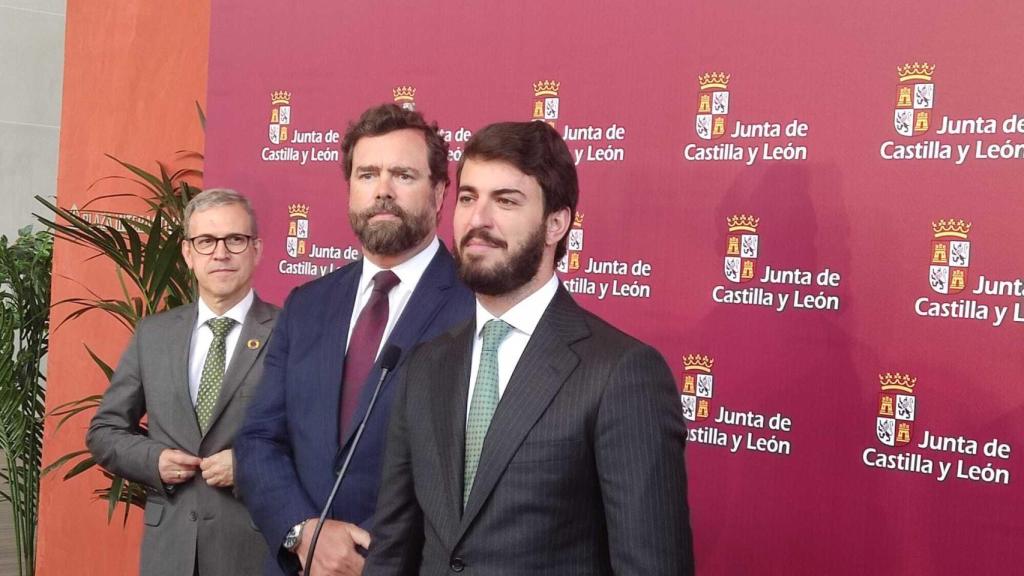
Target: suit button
pixel 193 516
pixel 457 565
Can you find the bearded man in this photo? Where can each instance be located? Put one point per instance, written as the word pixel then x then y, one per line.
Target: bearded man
pixel 322 363
pixel 536 439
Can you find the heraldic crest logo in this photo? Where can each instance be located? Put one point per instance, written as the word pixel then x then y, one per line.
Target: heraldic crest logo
pixel 951 256
pixel 712 105
pixel 698 387
pixel 897 409
pixel 915 96
pixel 280 116
pixel 741 248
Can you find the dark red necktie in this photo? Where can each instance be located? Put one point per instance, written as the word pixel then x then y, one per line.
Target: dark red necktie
pixel 363 346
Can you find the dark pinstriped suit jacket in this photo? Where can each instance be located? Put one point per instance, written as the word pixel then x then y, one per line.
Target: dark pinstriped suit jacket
pixel 582 470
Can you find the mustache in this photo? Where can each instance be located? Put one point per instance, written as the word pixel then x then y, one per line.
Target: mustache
pixel 484 235
pixel 383 206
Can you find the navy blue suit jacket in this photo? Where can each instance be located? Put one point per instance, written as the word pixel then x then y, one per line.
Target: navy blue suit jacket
pixel 289 448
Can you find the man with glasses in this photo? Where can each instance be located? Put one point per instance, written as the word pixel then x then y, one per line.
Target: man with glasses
pixel 190 371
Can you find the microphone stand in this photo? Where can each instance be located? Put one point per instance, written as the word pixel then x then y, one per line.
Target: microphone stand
pixel 389 358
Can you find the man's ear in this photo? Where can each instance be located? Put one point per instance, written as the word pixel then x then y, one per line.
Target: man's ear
pixel 439 190
pixel 186 253
pixel 257 248
pixel 557 226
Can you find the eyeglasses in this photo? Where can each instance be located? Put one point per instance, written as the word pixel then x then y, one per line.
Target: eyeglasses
pixel 206 244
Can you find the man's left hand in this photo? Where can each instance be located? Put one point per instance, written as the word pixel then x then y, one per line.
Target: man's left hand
pixel 219 469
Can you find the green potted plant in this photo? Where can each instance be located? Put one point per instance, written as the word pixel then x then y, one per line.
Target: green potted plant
pixel 24 338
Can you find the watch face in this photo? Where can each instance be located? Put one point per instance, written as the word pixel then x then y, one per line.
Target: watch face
pixel 291 540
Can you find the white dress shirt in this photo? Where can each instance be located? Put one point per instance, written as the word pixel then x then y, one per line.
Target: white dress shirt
pixel 409 274
pixel 202 338
pixel 523 318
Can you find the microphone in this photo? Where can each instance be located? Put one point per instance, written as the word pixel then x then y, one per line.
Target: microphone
pixel 388 360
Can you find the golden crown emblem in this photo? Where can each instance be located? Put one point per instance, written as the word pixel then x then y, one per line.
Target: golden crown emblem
pixel 403 93
pixel 298 210
pixel 915 71
pixel 698 362
pixel 546 88
pixel 956 228
pixel 718 80
pixel 577 222
pixel 897 381
pixel 280 97
pixel 743 222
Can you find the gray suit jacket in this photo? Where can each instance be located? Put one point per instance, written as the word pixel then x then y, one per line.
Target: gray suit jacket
pixel 582 470
pixel 194 524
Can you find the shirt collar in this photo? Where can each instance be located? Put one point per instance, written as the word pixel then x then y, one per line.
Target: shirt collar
pixel 525 315
pixel 408 272
pixel 238 312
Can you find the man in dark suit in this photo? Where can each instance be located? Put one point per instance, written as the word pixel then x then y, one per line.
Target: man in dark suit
pixel 537 439
pixel 191 370
pixel 322 365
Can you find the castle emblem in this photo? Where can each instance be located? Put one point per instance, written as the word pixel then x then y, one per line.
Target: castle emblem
pixel 298 230
pixel 712 105
pixel 915 95
pixel 280 116
pixel 698 387
pixel 897 409
pixel 741 248
pixel 570 262
pixel 951 256
pixel 545 103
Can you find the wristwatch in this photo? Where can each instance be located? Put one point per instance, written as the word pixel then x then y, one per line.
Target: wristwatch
pixel 293 537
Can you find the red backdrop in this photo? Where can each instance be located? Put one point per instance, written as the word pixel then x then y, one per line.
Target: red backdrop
pixel 808 208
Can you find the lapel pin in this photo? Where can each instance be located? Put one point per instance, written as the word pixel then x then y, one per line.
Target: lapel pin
pixel 253 344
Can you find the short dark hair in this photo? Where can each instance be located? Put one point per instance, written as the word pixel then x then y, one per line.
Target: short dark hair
pixel 535 149
pixel 388 118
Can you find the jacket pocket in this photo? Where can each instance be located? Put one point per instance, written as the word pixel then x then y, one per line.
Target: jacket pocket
pixel 154 514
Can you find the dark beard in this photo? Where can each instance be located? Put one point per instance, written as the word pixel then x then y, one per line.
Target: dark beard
pixel 507 276
pixel 390 238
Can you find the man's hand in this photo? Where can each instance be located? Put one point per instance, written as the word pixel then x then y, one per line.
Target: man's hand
pixel 219 469
pixel 177 467
pixel 336 553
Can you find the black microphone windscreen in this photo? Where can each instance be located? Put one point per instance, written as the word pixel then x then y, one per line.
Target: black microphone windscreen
pixel 389 357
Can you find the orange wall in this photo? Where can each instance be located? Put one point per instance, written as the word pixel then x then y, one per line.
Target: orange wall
pixel 133 70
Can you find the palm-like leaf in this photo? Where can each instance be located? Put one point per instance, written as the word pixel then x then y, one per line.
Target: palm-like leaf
pixel 152 276
pixel 24 330
pixel 152 266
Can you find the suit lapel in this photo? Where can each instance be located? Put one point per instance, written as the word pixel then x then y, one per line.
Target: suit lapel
pixel 448 412
pixel 255 329
pixel 546 363
pixel 180 344
pixel 426 301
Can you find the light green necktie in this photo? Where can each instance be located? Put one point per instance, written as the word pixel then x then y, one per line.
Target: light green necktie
pixel 485 400
pixel 213 371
